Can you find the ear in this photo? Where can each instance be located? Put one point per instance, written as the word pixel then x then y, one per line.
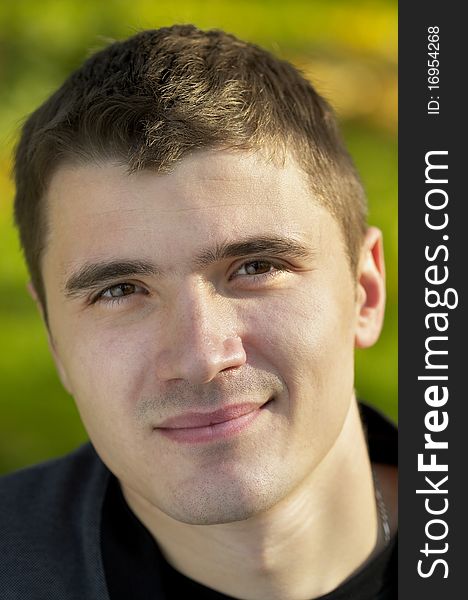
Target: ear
pixel 52 346
pixel 371 290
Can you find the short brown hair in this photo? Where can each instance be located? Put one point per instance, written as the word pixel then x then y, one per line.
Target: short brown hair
pixel 149 100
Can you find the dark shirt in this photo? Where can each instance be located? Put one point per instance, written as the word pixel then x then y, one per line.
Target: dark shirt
pixel 135 567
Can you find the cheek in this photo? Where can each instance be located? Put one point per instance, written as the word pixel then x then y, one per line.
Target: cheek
pixel 307 338
pixel 302 333
pixel 108 369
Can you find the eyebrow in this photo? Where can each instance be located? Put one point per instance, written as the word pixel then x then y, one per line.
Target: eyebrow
pixel 275 246
pixel 93 275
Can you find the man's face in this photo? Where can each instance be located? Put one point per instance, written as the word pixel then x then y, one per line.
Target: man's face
pixel 183 300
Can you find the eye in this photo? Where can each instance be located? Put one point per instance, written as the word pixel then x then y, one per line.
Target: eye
pixel 256 267
pixel 258 271
pixel 117 293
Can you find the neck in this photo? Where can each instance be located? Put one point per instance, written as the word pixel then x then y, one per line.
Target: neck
pixel 303 547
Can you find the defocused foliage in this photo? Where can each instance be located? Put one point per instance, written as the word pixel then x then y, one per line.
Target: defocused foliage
pixel 348 49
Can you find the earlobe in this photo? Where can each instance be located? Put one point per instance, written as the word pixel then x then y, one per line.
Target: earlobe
pixel 52 346
pixel 371 290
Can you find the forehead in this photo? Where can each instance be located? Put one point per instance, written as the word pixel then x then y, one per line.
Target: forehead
pixel 212 196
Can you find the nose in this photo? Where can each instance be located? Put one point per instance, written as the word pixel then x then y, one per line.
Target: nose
pixel 199 338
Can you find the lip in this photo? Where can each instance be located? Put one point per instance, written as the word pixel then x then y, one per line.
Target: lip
pixel 199 427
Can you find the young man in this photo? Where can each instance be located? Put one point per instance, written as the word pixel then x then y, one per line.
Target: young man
pixel 195 233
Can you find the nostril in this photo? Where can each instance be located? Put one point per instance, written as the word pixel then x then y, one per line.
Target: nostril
pixel 232 368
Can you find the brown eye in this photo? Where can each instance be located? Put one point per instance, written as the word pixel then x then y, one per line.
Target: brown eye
pixel 120 292
pixel 258 272
pixel 116 291
pixel 257 267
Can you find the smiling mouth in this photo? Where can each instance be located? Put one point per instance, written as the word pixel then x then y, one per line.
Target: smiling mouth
pixel 198 427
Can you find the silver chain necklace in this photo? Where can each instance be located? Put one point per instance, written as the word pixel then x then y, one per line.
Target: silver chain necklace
pixel 381 507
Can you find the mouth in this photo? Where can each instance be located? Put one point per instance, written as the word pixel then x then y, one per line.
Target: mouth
pixel 199 427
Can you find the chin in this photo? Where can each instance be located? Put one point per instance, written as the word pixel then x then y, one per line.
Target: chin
pixel 227 503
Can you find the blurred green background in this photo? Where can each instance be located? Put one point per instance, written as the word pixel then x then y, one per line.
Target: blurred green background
pixel 349 51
